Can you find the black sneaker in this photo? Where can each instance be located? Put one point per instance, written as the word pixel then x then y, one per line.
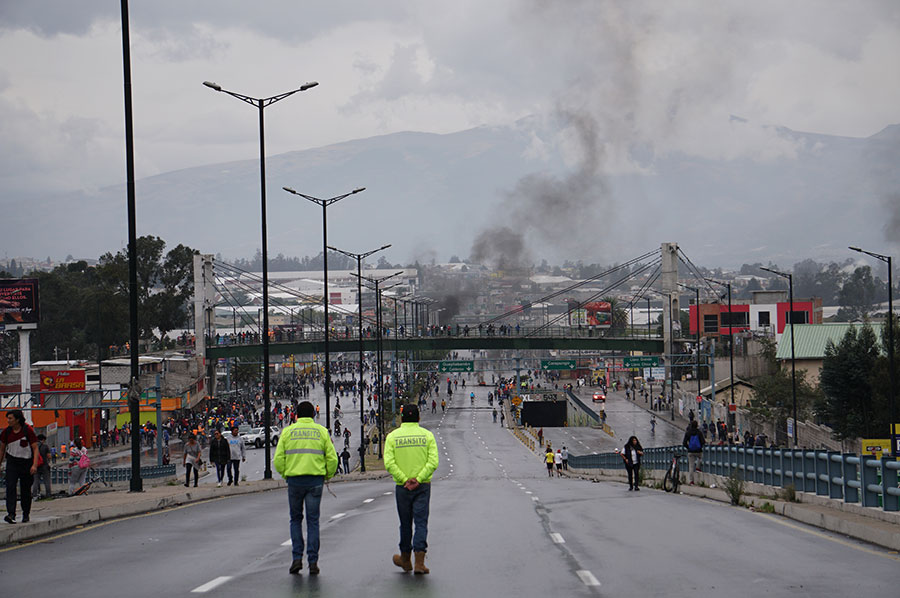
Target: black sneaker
pixel 229 482
pixel 296 566
pixel 9 519
pixel 25 518
pixel 314 568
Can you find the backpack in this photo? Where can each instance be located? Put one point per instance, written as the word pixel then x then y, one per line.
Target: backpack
pixel 694 445
pixel 84 462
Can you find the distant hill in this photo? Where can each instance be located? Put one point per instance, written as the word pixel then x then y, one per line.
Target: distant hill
pixel 430 195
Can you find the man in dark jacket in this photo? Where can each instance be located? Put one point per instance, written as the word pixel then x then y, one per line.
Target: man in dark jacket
pixel 693 441
pixel 219 453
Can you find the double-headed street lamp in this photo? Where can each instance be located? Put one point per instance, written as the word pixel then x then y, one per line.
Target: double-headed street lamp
pixel 359 257
pixel 790 279
pixel 325 203
pixel 378 372
pixel 261 104
pixel 895 450
pixel 731 414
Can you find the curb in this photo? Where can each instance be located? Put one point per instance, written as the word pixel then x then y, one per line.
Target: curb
pixel 145 502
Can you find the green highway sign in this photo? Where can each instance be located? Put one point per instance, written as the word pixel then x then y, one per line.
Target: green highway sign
pixel 457 366
pixel 641 361
pixel 557 364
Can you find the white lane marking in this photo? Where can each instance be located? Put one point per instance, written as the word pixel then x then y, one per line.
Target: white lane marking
pixel 587 578
pixel 288 543
pixel 211 584
pixel 368 500
pixel 535 498
pixel 528 492
pixel 557 538
pixel 337 516
pixel 388 493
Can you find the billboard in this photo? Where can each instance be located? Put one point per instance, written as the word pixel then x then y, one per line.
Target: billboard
pixel 594 313
pixel 19 302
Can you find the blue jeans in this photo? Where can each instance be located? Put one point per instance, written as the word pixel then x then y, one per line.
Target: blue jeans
pixel 305 490
pixel 412 507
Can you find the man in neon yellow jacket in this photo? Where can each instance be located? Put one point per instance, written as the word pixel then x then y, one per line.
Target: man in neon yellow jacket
pixel 411 456
pixel 305 458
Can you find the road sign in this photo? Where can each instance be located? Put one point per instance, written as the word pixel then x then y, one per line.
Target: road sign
pixel 457 366
pixel 516 401
pixel 641 361
pixel 557 364
pixel 790 427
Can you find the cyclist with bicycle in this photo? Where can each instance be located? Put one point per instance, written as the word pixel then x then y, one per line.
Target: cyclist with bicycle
pixel 694 441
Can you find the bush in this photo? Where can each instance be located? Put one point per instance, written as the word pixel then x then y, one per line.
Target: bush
pixel 767 507
pixel 734 487
pixel 789 493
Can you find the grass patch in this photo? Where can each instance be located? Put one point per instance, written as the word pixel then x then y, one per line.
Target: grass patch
pixel 788 493
pixel 734 487
pixel 766 507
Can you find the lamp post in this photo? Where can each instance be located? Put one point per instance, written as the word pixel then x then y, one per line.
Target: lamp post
pixel 697 304
pixel 261 104
pixel 895 451
pixel 325 203
pixel 134 397
pixel 378 373
pixel 731 414
pixel 790 278
pixel 359 257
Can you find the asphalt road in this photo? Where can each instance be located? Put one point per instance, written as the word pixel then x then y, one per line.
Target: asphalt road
pixel 499 527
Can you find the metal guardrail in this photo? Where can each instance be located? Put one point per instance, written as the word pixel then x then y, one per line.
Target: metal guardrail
pixel 60 475
pixel 863 479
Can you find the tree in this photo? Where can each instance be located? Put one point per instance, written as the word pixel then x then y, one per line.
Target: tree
pixel 848 403
pixel 772 395
pixel 857 295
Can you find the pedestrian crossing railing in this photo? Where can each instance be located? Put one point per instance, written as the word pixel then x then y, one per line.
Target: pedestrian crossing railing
pixel 860 479
pixel 60 475
pixel 523 437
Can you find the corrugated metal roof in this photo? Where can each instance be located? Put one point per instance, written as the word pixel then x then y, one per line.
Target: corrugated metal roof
pixel 812 339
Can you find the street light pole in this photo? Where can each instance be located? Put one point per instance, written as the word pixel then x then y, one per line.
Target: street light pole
pixel 895 450
pixel 325 203
pixel 790 278
pixel 260 104
pixel 697 305
pixel 376 282
pixel 731 414
pixel 134 397
pixel 359 257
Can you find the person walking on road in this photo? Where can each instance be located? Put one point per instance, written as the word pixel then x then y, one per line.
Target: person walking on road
pixel 550 460
pixel 190 460
pixel 219 454
pixel 557 460
pixel 632 453
pixel 305 458
pixel 77 473
pixel 43 470
pixel 565 458
pixel 345 459
pixel 693 441
pixel 19 445
pixel 411 457
pixel 236 454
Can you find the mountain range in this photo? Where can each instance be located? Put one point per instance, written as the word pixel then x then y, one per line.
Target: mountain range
pixel 432 195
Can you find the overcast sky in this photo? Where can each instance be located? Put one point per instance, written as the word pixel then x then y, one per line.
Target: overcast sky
pixel 665 73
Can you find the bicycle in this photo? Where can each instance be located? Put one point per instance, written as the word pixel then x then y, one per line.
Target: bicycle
pixel 89 479
pixel 673 475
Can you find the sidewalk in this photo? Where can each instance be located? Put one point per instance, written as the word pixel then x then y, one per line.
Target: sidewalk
pixel 871 525
pixel 60 514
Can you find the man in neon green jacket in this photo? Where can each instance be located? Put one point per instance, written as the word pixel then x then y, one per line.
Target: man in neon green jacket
pixel 411 456
pixel 305 458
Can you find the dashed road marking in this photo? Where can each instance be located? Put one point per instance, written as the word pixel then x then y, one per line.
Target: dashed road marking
pixel 211 584
pixel 337 516
pixel 587 578
pixel 287 543
pixel 557 538
pixel 368 500
pixel 535 498
pixel 388 493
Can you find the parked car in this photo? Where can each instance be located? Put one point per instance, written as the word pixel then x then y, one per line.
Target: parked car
pixel 257 436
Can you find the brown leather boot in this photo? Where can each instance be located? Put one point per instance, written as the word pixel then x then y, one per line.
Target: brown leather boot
pixel 402 561
pixel 420 564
